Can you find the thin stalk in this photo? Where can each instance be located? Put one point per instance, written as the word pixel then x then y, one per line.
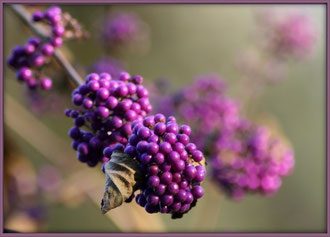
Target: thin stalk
pixel 25 16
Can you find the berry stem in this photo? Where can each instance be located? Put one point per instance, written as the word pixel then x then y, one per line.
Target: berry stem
pixel 60 58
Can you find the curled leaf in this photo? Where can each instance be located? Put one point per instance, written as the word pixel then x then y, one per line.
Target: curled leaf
pixel 122 174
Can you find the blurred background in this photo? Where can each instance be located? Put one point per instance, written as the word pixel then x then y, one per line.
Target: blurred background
pixel 47 190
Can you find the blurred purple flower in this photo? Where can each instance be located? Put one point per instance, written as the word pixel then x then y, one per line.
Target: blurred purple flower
pixel 109 65
pixel 250 160
pixel 204 106
pixel 291 35
pixel 123 29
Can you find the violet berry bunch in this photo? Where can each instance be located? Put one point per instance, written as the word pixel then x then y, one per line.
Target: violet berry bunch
pixel 205 106
pixel 62 24
pixel 105 108
pixel 123 29
pixel 251 160
pixel 292 35
pixel 30 59
pixel 172 167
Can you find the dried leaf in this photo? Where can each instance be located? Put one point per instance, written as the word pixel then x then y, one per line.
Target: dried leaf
pixel 202 162
pixel 122 175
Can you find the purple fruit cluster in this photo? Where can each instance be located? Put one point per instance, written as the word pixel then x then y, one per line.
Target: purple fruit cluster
pixel 122 29
pixel 106 106
pixel 292 34
pixel 250 160
pixel 29 60
pixel 244 157
pixel 171 165
pixel 205 106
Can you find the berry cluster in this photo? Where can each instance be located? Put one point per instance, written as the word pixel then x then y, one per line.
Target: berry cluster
pixel 205 106
pixel 250 159
pixel 232 143
pixel 281 37
pixel 292 35
pixel 106 106
pixel 173 167
pixel 123 29
pixel 29 59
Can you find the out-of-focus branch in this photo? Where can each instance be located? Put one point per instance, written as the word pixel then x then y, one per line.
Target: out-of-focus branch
pixel 60 58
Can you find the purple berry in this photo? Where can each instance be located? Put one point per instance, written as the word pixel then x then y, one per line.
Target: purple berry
pixel 38 16
pixel 102 93
pixel 153 200
pixel 190 172
pixel 83 148
pixel 160 189
pixel 145 158
pixel 58 30
pixel 47 49
pixel 153 170
pixel 184 139
pixel 173 157
pixel 87 103
pixel 185 129
pixel 124 76
pixel 159 158
pixel 144 133
pixel 172 128
pixel 30 48
pixel 103 111
pixel 181 195
pixel 25 73
pixel 152 148
pixel 166 178
pixel 46 83
pixel 165 147
pixel 173 188
pixel 160 128
pixel 111 102
pixel 56 42
pixel 197 192
pixel 141 200
pixel 142 146
pixel 153 181
pixel 191 148
pixel 170 138
pixel 197 156
pixel 74 133
pixel 38 60
pixel 167 200
pixel 137 79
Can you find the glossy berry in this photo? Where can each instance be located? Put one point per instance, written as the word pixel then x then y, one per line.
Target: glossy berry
pixel 46 83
